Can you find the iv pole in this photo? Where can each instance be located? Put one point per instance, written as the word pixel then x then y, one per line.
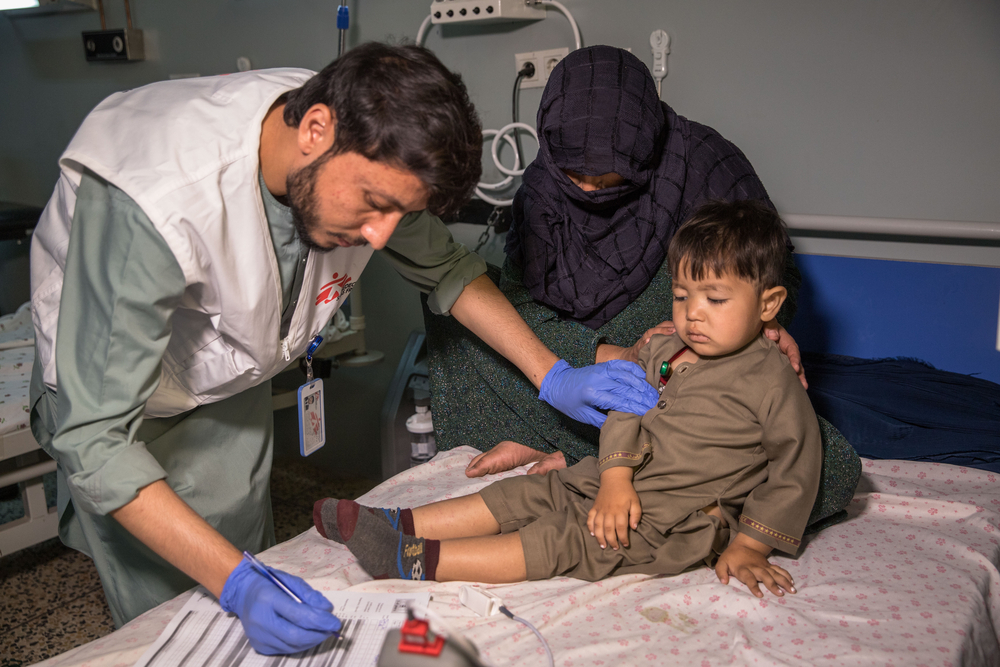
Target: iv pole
pixel 343 23
pixel 362 355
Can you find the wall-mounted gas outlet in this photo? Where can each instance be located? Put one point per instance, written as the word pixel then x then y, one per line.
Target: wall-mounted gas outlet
pixel 485 11
pixel 544 62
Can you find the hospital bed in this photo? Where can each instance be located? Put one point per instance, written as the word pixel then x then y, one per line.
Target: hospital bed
pixel 24 464
pixel 21 460
pixel 911 577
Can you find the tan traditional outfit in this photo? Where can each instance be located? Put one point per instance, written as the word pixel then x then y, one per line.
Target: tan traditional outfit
pixel 737 431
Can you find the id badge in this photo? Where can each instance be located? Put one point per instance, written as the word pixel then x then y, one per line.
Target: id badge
pixel 312 417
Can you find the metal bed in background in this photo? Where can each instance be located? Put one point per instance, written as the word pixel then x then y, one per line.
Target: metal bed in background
pixel 22 462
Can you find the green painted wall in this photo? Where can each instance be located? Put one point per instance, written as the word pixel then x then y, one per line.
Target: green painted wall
pixel 884 109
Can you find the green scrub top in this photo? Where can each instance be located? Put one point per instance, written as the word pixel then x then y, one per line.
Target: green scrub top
pixel 122 285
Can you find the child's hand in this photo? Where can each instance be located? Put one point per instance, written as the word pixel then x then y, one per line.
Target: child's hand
pixel 746 559
pixel 615 509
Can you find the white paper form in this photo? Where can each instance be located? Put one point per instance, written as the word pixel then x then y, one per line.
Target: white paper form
pixel 203 635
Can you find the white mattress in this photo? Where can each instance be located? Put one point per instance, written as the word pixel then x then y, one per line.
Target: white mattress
pixel 910 579
pixel 17 353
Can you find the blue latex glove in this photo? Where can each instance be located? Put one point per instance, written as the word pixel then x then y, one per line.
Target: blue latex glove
pixel 274 622
pixel 612 385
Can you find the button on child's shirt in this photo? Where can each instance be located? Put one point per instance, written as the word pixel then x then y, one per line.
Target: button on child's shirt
pixel 680 370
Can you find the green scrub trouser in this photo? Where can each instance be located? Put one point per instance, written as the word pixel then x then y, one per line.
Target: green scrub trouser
pixel 218 460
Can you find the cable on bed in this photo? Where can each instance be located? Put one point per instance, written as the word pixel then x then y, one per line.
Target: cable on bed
pixel 487 603
pixel 548 652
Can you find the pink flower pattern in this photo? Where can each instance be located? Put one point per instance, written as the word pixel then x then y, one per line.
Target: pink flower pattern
pixel 910 579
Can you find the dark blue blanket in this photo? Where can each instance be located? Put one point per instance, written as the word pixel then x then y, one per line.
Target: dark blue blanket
pixel 907 409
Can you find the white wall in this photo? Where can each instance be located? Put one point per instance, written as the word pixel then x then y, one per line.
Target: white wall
pixel 883 109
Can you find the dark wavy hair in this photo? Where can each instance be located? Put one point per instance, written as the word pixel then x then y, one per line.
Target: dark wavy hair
pixel 746 239
pixel 399 105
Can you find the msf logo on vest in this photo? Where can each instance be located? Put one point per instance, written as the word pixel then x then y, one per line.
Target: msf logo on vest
pixel 332 290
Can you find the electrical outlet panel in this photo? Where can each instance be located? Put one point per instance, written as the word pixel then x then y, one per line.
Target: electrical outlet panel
pixel 485 11
pixel 544 62
pixel 118 45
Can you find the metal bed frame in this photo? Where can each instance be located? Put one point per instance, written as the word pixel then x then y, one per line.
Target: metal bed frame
pixel 23 463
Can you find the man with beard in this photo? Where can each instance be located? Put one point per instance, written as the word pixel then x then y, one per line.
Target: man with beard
pixel 201 235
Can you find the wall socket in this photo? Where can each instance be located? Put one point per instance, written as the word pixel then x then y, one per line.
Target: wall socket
pixel 544 62
pixel 117 45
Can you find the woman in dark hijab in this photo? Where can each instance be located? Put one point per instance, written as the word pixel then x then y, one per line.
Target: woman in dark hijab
pixel 587 253
pixel 616 174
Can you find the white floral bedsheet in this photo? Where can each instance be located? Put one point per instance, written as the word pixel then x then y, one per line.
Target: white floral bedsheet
pixel 15 378
pixel 910 579
pixel 16 329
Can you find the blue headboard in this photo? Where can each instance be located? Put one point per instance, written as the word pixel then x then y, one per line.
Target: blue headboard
pixel 944 314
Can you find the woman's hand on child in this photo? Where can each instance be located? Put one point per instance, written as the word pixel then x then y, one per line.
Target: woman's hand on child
pixel 607 352
pixel 788 346
pixel 632 353
pixel 746 559
pixel 615 509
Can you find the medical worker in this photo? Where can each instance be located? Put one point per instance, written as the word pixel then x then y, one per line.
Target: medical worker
pixel 201 234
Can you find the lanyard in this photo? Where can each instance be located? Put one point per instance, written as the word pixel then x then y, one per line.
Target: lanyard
pixel 313 346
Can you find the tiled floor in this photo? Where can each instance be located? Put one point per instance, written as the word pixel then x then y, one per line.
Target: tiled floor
pixel 51 598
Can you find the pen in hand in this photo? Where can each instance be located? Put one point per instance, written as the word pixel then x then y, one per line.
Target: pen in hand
pixel 280 613
pixel 260 567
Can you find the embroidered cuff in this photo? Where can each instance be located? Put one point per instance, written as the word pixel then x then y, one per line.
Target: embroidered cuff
pixel 623 458
pixel 773 538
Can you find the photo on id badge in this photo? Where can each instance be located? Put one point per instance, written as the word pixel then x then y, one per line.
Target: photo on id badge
pixel 312 419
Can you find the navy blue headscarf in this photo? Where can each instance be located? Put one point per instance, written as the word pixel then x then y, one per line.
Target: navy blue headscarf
pixel 587 255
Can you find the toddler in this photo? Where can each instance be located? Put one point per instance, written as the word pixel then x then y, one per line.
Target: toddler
pixel 721 471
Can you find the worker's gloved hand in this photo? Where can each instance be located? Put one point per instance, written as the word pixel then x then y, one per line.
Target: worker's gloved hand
pixel 274 622
pixel 612 385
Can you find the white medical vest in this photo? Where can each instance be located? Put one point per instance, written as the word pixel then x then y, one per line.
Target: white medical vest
pixel 187 152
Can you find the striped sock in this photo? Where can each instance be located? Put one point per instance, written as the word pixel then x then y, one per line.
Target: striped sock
pixel 372 536
pixel 336 518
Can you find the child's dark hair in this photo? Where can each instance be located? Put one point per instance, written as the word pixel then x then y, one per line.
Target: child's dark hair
pixel 399 104
pixel 746 239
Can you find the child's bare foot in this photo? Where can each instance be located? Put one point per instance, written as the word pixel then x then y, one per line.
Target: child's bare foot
pixel 509 455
